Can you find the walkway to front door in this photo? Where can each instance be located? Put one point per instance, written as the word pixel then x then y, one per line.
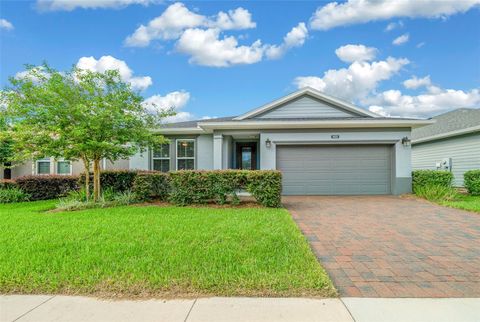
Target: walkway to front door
pixel 387 246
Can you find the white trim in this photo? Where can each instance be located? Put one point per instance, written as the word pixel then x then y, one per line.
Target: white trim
pixel 307 91
pixel 49 160
pixel 186 158
pixel 288 124
pixel 179 130
pixel 448 134
pixel 162 158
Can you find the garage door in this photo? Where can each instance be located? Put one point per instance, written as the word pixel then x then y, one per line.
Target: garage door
pixel 335 170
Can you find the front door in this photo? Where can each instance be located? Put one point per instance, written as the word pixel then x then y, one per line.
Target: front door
pixel 247 156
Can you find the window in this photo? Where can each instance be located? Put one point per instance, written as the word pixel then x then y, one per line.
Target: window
pixel 64 167
pixel 43 166
pixel 161 158
pixel 185 154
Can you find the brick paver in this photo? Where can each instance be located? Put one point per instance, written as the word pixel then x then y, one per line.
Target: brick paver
pixel 388 246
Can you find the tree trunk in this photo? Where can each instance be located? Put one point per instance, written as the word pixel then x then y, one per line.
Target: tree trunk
pixel 96 180
pixel 86 167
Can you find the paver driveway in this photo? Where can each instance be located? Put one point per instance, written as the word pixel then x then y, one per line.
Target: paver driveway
pixel 387 246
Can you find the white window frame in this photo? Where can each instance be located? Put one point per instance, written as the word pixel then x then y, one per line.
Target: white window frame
pixel 186 158
pixel 49 160
pixel 162 158
pixel 64 174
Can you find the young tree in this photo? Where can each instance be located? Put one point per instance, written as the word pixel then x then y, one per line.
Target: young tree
pixel 79 115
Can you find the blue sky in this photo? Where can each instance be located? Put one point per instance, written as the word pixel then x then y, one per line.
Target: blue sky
pixel 210 64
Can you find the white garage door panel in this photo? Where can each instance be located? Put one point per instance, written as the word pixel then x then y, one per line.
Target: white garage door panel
pixel 335 170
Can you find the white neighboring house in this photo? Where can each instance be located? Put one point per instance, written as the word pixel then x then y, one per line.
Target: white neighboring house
pixel 451 143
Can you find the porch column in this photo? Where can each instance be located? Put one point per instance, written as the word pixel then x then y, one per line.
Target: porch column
pixel 217 151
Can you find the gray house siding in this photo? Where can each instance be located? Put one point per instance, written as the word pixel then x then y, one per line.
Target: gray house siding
pixel 205 152
pixel 305 107
pixel 463 150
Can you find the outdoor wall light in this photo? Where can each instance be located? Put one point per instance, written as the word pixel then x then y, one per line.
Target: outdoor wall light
pixel 268 143
pixel 406 141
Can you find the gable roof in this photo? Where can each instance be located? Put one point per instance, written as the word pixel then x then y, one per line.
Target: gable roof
pixel 456 122
pixel 308 91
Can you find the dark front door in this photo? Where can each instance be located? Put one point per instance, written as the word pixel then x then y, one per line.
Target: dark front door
pixel 247 156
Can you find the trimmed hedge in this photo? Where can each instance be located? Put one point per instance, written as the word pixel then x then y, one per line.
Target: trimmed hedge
pixel 471 180
pixel 151 186
pixel 43 187
pixel 191 187
pixel 423 178
pixel 266 187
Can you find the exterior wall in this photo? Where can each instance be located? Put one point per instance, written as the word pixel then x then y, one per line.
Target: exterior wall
pixel 463 150
pixel 205 152
pixel 305 107
pixel 401 174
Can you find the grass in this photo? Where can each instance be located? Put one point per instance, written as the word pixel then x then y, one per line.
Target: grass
pixel 465 202
pixel 143 251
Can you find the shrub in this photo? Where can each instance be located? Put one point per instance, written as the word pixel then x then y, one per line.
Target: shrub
pixel 151 186
pixel 43 187
pixel 13 194
pixel 266 187
pixel 423 178
pixel 117 180
pixel 471 181
pixel 77 201
pixel 190 187
pixel 436 192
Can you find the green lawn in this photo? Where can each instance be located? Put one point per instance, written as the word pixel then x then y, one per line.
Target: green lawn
pixel 465 202
pixel 156 251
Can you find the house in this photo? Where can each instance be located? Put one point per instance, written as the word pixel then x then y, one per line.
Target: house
pixel 321 144
pixel 451 143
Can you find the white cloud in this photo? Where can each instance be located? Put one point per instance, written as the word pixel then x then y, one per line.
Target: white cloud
pixel 336 14
pixel 175 101
pixel 351 53
pixel 111 63
pixel 401 39
pixel 294 38
pixel 394 25
pixel 394 103
pixel 203 39
pixel 69 5
pixel 237 19
pixel 415 82
pixel 420 45
pixel 205 47
pixel 177 18
pixel 5 24
pixel 356 81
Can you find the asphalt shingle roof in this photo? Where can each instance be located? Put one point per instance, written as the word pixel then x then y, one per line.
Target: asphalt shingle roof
pixel 458 119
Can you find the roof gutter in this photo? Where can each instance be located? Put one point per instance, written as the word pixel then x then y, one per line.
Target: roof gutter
pixel 447 135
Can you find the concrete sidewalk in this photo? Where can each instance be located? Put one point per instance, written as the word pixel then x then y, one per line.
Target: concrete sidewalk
pixel 40 308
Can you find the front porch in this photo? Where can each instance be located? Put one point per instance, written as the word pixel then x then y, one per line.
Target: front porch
pixel 236 151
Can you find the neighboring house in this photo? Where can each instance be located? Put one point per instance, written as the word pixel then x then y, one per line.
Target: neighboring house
pixel 452 143
pixel 322 145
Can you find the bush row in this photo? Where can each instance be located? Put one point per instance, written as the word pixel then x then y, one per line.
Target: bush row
pixel 180 187
pixel 471 181
pixel 190 187
pixel 47 186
